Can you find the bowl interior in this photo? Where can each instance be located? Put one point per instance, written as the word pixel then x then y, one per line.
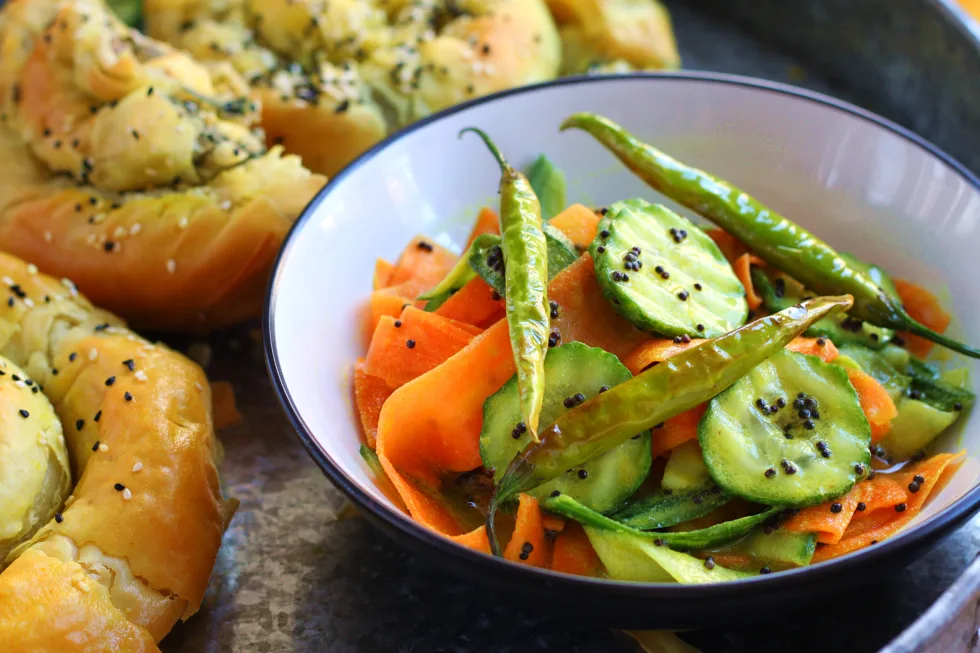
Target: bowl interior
pixel 861 184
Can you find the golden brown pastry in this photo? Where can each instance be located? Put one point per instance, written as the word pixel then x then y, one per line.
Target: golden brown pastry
pixel 132 550
pixel 141 174
pixel 34 475
pixel 333 77
pixel 615 35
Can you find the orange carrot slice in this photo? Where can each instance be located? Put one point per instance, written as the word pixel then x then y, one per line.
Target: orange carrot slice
pixel 822 348
pixel 729 245
pixel 475 303
pixel 423 262
pixel 877 405
pixel 828 524
pixel 421 506
pixel 552 523
pixel 743 270
pixel 223 406
pixel 487 222
pixel 677 430
pixel 382 274
pixel 528 544
pixel 573 553
pixel 578 223
pixel 476 540
pixel 388 301
pixel 655 351
pixel 406 348
pixel 882 491
pixel 431 425
pixel 923 307
pixel 370 394
pixel 931 470
pixel 585 316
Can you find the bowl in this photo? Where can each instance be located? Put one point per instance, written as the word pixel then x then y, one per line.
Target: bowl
pixel 855 179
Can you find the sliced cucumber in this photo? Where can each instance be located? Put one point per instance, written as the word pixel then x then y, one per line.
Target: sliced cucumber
pixel 916 425
pixel 936 391
pixel 681 540
pixel 604 482
pixel 631 558
pixel 664 274
pixel 666 508
pixel 780 291
pixel 775 546
pixel 685 468
pixel 773 458
pixel 487 259
pixel 877 366
pixel 548 182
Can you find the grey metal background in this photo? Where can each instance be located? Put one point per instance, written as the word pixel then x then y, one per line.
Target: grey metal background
pixel 292 577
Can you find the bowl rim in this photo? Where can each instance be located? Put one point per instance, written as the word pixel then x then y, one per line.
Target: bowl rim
pixel 949 518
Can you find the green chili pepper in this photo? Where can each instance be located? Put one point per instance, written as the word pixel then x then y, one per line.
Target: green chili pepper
pixel 677 384
pixel 525 252
pixel 779 241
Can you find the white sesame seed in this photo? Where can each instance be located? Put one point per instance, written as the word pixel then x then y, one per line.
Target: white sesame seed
pixel 171 266
pixel 225 205
pixel 72 288
pixel 198 386
pixel 135 229
pixel 28 302
pixel 119 232
pixel 20 384
pixel 103 447
pixel 48 236
pixel 127 495
pixel 31 268
pixel 137 467
pixel 140 375
pixel 7 280
pixel 93 354
pixel 183 222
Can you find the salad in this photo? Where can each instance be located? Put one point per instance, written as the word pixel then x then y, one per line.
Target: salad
pixel 621 393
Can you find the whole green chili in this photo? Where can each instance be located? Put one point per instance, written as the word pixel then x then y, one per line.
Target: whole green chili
pixel 779 241
pixel 679 383
pixel 525 253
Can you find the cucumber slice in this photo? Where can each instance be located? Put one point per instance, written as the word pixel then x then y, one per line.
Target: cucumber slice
pixel 780 291
pixel 664 274
pixel 775 546
pixel 635 559
pixel 681 540
pixel 666 508
pixel 685 468
pixel 604 482
pixel 937 392
pixel 916 425
pixel 772 458
pixel 548 182
pixel 877 365
pixel 487 259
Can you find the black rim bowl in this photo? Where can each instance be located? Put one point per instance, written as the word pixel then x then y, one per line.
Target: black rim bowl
pixel 636 605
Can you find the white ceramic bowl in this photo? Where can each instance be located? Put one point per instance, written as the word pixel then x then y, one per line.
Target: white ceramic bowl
pixel 858 181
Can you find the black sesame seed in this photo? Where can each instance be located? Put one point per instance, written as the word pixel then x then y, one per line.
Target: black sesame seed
pixel 119 487
pixel 583 474
pixel 410 343
pixel 683 295
pixel 72 356
pixel 919 478
pixel 398 324
pixel 781 402
pixel 697 286
pixel 761 403
pixel 871 474
pixel 97 417
pixel 821 341
pixel 424 246
pixel 914 487
pixel 554 309
pixel 798 404
pixel 79 424
pixel 957 406
pixel 836 508
pixel 859 469
pixel 110 380
pixel 555 493
pixel 24 413
pixel 900 507
pixel 604 233
pixel 809 402
pixel 109 245
pixel 603 389
pixel 600 249
pixel 58 517
pixel 128 396
pixel 658 542
pixel 771 472
pixel 95 446
pixel 699 327
pixel 15 377
pixel 130 364
pixel 804 414
pixel 697 499
pixel 862 506
pixel 808 424
pixel 709 562
pixel 765 570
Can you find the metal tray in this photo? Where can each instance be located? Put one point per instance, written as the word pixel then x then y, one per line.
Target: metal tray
pixel 294 575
